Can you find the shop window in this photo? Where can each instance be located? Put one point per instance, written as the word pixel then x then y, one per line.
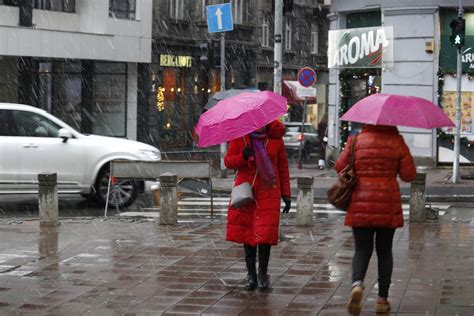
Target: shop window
pixel 446 135
pixel 314 39
pixel 176 9
pixel 109 99
pixel 288 33
pixel 169 84
pixel 45 77
pixel 265 32
pixel 122 9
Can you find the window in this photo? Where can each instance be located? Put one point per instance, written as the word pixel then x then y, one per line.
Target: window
pixel 10 2
pixel 314 39
pixel 265 32
pixel 110 99
pixel 239 9
pixel 123 9
pixel 51 5
pixel 288 33
pixel 55 5
pixel 29 124
pixel 177 9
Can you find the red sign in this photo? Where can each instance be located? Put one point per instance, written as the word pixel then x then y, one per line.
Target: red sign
pixel 307 77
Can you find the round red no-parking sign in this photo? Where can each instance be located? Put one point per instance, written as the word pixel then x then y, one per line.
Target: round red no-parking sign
pixel 307 77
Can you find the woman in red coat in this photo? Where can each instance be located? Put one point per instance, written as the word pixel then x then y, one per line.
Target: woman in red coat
pixel 260 159
pixel 375 209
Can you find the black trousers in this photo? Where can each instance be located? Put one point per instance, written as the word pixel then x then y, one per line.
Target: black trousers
pixel 364 246
pixel 263 258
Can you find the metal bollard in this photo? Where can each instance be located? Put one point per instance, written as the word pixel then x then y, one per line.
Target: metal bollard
pixel 168 199
pixel 418 198
pixel 304 201
pixel 48 198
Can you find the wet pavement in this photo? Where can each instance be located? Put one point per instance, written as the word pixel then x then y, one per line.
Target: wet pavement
pixel 96 266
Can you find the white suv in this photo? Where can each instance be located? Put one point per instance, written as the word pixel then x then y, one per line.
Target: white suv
pixel 33 141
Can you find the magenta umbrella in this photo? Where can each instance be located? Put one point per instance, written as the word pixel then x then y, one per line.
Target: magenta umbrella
pixel 239 115
pixel 392 109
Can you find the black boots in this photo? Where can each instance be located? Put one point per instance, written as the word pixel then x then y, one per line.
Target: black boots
pixel 250 259
pixel 263 257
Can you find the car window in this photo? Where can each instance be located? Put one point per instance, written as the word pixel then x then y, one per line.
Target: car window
pixel 292 129
pixel 310 129
pixel 34 125
pixel 307 129
pixel 4 128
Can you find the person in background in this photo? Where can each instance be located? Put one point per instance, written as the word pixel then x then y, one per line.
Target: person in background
pixel 260 159
pixel 322 129
pixel 375 210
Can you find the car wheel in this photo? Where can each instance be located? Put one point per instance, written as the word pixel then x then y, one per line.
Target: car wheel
pixel 122 192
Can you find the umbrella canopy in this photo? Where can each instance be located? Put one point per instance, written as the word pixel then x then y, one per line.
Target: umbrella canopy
pixel 239 115
pixel 397 110
pixel 221 95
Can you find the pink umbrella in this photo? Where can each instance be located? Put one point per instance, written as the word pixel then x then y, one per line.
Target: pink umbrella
pixel 392 109
pixel 239 115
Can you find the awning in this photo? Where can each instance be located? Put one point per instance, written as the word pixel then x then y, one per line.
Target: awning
pixel 295 92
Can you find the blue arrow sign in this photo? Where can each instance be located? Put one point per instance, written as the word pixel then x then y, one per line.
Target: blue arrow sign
pixel 219 18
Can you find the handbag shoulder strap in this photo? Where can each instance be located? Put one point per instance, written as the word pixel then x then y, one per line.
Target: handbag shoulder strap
pixel 256 172
pixel 354 141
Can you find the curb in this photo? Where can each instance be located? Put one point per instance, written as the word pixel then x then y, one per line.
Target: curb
pixel 405 198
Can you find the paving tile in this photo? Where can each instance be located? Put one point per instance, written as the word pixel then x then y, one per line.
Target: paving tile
pixel 222 310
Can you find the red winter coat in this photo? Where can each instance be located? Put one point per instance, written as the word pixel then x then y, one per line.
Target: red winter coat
pixel 380 155
pixel 257 223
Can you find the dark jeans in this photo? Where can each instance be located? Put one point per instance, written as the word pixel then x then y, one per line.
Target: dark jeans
pixel 364 246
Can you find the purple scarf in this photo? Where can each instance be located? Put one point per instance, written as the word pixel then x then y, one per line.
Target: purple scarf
pixel 264 164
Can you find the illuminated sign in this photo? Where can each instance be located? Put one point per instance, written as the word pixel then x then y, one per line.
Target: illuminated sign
pixel 160 99
pixel 175 61
pixel 360 48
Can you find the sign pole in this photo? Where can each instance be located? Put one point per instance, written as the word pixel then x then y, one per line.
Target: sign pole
pixel 223 146
pixel 300 151
pixel 278 67
pixel 457 136
pixel 219 20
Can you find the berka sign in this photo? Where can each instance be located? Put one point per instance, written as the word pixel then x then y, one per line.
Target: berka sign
pixel 368 47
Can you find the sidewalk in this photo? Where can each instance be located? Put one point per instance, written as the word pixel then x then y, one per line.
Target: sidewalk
pixel 439 188
pixel 113 267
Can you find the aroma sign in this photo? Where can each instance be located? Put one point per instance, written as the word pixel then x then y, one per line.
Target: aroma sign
pixel 360 48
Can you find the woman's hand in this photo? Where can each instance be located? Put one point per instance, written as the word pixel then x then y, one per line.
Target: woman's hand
pixel 287 200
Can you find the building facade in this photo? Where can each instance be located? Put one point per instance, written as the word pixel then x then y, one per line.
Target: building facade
pixel 76 59
pixel 185 68
pixel 421 65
